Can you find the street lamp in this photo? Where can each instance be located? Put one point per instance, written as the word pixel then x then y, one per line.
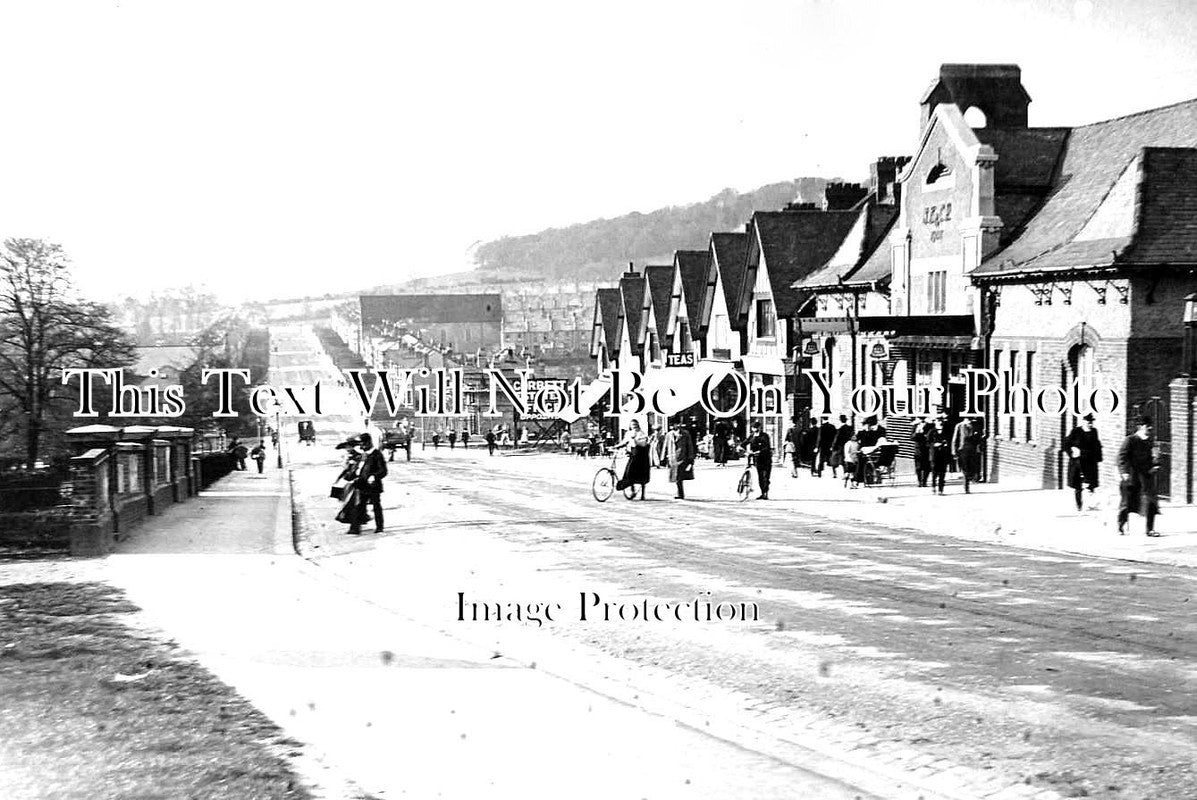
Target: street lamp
pixel 278 426
pixel 1190 340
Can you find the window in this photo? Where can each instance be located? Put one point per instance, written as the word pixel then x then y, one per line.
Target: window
pixel 937 292
pixel 719 329
pixel 993 404
pixel 1016 378
pixel 683 334
pixel 766 319
pixel 654 347
pixel 1030 381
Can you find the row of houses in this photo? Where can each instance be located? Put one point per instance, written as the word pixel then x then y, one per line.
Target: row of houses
pixel 1055 255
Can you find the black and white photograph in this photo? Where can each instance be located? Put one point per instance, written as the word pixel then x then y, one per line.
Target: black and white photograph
pixel 790 399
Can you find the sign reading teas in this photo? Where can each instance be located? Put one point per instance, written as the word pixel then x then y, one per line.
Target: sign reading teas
pixel 679 359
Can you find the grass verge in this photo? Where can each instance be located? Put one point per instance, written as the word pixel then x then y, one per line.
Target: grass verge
pixel 91 708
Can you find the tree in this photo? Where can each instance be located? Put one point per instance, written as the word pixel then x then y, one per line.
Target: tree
pixel 46 328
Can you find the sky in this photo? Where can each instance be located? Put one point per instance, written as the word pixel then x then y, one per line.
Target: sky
pixel 283 149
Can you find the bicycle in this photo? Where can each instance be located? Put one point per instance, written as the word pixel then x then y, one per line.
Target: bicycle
pixel 603 485
pixel 744 487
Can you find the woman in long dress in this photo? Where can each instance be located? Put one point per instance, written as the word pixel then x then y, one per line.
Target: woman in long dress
pixel 637 471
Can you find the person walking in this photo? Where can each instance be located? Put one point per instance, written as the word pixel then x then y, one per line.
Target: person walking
pixel 368 482
pixel 258 454
pixel 452 437
pixel 1083 446
pixel 719 444
pixel 405 442
pixel 851 456
pixel 940 445
pixel 637 471
pixel 1137 467
pixel 679 448
pixel 825 444
pixel 922 450
pixel 965 440
pixel 490 441
pixel 465 438
pixel 790 447
pixel 843 433
pixel 809 447
pixel 436 440
pixel 240 453
pixel 760 448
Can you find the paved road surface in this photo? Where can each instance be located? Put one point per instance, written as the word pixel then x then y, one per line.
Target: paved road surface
pixel 1074 674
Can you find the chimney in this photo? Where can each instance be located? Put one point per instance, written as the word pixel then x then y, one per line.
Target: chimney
pixel 631 273
pixel 883 178
pixel 797 206
pixel 842 196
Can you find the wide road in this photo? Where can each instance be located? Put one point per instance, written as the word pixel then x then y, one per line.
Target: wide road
pixel 967 663
pixel 1073 674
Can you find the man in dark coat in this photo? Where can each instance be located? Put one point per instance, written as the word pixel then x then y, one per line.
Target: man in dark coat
pixel 1084 455
pixel 922 450
pixel 679 446
pixel 842 434
pixel 761 449
pixel 940 445
pixel 826 443
pixel 368 481
pixel 809 449
pixel 966 449
pixel 719 443
pixel 490 442
pixel 1137 467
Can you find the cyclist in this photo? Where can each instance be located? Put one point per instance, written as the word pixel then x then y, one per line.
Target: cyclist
pixel 760 450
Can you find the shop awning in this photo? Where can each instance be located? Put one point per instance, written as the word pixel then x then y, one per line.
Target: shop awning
pixel 764 365
pixel 937 325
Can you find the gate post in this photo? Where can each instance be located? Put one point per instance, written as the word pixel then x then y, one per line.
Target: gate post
pixel 1181 393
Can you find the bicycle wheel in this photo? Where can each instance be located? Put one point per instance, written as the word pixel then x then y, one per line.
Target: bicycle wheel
pixel 603 485
pixel 744 487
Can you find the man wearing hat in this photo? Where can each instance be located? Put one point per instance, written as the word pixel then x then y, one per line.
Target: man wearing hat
pixel 1137 467
pixel 1083 447
pixel 370 472
pixel 761 449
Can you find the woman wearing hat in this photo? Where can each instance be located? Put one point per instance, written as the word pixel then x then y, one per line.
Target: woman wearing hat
pixel 1083 447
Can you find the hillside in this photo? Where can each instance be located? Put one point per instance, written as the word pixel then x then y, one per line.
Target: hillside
pixel 600 249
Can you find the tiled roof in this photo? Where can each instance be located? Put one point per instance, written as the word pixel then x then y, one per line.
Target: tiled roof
pixel 607 303
pixel 878 220
pixel 693 264
pixel 431 308
pixel 660 285
pixel 1027 157
pixel 631 289
pixel 1095 158
pixel 795 243
pixel 1167 218
pixel 729 251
